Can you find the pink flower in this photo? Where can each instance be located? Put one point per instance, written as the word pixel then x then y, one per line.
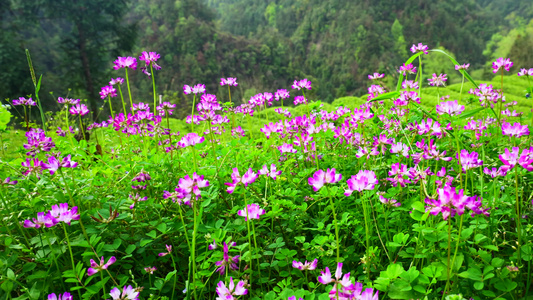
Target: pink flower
pixel 54 164
pixel 42 220
pixel 24 101
pixel 449 202
pixel 304 83
pixel 300 100
pixel 118 80
pixel 419 48
pixel 451 108
pixel 95 268
pixel 439 80
pixel 281 94
pixel 364 180
pixel 287 148
pixel 197 89
pixel 125 62
pixel 469 160
pixel 108 90
pixel 128 293
pixel 190 139
pixel 169 250
pixel 249 177
pixel 320 178
pixel 376 76
pixel 500 63
pixel 462 67
pixel 230 81
pixel 272 173
pixel 516 130
pixel 525 72
pixel 64 296
pixel 150 57
pixel 150 270
pixel 227 293
pixel 407 69
pixel 227 262
pixel 253 211
pixel 305 266
pixel 79 109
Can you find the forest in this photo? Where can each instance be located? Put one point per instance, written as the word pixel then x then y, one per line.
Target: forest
pixel 265 44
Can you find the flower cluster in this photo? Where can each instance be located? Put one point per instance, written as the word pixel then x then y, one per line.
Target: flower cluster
pixel 187 187
pixel 58 213
pixel 102 265
pixel 228 262
pixel 37 142
pixel 343 288
pixel 252 211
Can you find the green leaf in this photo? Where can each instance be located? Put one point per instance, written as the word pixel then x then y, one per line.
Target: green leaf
pixel 386 96
pixel 478 285
pixel 169 275
pixel 470 113
pixel 162 227
pixel 393 271
pixel 145 242
pixel 152 234
pixel 130 249
pixel 472 273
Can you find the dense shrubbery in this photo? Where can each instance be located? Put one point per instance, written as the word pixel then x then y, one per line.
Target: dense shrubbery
pixel 396 196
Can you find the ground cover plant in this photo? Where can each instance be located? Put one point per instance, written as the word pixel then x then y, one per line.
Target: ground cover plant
pixel 392 198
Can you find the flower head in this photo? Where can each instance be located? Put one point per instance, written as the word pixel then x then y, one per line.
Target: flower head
pixel 227 293
pixel 305 266
pixel 95 268
pixel 451 108
pixel 128 293
pixel 320 178
pixel 79 109
pixel 228 261
pixel 419 48
pixel 516 130
pixel 439 80
pixel 230 81
pixel 64 296
pixel 125 62
pixel 302 84
pixel 252 211
pixel 364 180
pixel 24 101
pixel 273 172
pixel 500 63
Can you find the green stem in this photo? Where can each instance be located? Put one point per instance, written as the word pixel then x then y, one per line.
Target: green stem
pixel 122 99
pixel 335 222
pixel 193 248
pixel 249 238
pixel 153 83
pixel 518 222
pixel 192 112
pixel 81 128
pixel 110 107
pixel 129 92
pixel 71 257
pixel 449 254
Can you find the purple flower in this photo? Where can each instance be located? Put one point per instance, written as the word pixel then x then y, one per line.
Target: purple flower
pixel 33 166
pixel 108 90
pixel 118 80
pixel 197 89
pixel 95 268
pixel 8 181
pixel 79 109
pixel 407 69
pixel 281 94
pixel 320 178
pixel 37 142
pixel 190 139
pixel 24 101
pixel 188 186
pixel 149 57
pixel 388 202
pixel 462 67
pixel 451 108
pixel 42 220
pixel 227 293
pixel 237 131
pixel 342 288
pixel 439 80
pixel 227 262
pixel 165 108
pixel 376 76
pixel 54 164
pixel 500 63
pixel 399 172
pixel 125 62
pixel 299 100
pixel 419 48
pixel 169 250
pixel 516 130
pixel 305 266
pixel 304 83
pixel 253 211
pixel 364 180
pixel 469 160
pixel 64 296
pixel 449 202
pixel 150 270
pixel 287 148
pixel 128 293
pixel 525 72
pixel 230 81
pixel 272 173
pixel 136 199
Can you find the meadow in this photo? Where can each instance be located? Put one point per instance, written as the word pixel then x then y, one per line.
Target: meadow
pixel 421 190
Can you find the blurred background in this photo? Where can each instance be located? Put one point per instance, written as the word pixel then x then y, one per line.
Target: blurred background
pixel 265 44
